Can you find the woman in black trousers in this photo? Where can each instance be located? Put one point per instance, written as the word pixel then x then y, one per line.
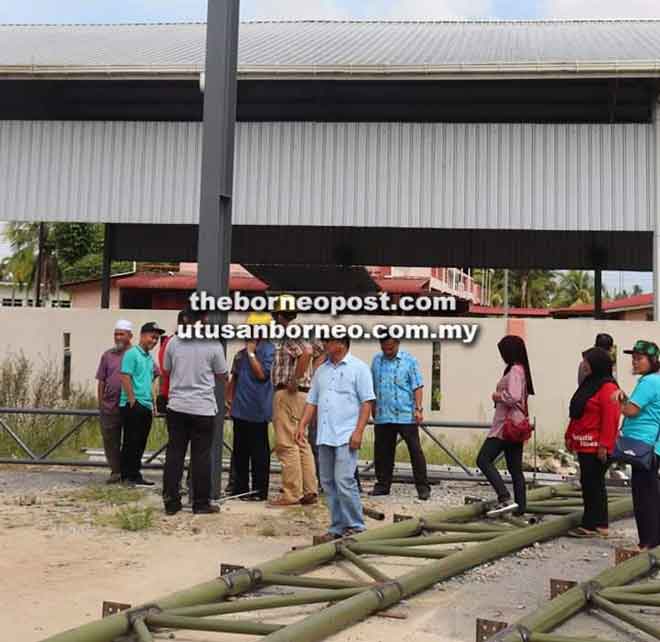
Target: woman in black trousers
pixel 642 423
pixel 592 433
pixel 510 399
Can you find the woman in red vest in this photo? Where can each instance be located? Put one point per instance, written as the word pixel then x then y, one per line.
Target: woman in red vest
pixel 592 433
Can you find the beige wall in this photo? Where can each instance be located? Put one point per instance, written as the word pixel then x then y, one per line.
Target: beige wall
pixel 88 295
pixel 469 373
pixel 635 315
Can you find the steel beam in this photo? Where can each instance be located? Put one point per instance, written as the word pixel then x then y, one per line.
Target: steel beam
pixel 265 603
pixel 221 626
pixel 401 551
pixel 282 579
pixel 339 616
pixel 625 616
pixel 432 540
pixel 216 590
pixel 217 175
pixel 363 565
pixel 141 630
pixel 565 606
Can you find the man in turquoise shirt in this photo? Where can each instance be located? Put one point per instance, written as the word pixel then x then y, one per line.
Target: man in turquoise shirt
pixel 399 388
pixel 138 374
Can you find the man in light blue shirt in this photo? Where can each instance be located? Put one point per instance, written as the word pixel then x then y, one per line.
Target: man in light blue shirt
pixel 398 412
pixel 340 398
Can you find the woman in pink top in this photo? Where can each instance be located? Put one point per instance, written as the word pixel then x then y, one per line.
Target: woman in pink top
pixel 510 398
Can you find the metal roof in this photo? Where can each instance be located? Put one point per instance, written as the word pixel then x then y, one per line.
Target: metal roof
pixel 342 48
pixel 395 175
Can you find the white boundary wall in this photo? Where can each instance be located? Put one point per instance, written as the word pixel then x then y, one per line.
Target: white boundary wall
pixel 468 374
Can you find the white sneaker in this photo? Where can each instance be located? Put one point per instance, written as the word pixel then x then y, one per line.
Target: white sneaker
pixel 502 508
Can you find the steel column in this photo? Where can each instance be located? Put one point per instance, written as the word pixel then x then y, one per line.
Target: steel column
pixel 106 269
pixel 217 175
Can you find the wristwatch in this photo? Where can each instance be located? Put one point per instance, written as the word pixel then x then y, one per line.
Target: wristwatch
pixel 252 355
pixel 419 409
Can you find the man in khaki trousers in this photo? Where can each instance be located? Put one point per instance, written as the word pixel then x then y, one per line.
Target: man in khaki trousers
pixel 291 375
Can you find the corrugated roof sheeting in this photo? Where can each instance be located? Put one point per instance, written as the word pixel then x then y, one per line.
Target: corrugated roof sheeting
pixel 423 175
pixel 327 43
pixel 123 172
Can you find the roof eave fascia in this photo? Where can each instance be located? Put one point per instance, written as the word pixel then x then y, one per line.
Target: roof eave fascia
pixel 533 70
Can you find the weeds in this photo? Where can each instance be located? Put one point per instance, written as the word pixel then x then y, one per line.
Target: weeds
pixel 267 531
pixel 112 495
pixel 29 385
pixel 26 384
pixel 134 517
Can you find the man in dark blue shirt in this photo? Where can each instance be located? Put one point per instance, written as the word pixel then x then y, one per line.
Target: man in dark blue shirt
pixel 251 395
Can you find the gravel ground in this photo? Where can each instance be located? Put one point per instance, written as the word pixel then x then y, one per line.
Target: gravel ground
pixel 49 525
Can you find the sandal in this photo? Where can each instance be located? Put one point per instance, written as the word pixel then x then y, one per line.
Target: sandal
pixel 583 533
pixel 280 502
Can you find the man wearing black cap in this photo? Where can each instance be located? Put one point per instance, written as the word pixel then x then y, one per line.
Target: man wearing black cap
pixel 138 376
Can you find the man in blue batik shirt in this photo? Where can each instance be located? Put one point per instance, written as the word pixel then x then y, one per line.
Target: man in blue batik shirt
pixel 340 398
pixel 398 411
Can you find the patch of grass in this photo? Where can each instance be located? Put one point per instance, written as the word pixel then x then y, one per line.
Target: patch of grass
pixel 267 531
pixel 115 495
pixel 134 517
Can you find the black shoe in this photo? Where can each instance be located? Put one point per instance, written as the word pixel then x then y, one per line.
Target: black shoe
pixel 424 494
pixel 143 482
pixel 378 492
pixel 206 510
pixel 172 509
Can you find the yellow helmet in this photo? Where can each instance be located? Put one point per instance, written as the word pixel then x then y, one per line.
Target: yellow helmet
pixel 285 303
pixel 259 318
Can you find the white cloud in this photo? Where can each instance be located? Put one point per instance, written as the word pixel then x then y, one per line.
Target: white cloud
pixel 600 9
pixel 433 9
pixel 294 9
pixel 375 9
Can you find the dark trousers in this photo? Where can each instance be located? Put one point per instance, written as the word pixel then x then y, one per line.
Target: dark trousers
pixel 646 503
pixel 183 429
pixel 594 492
pixel 384 454
pixel 231 481
pixel 137 425
pixel 311 436
pixel 252 452
pixel 513 453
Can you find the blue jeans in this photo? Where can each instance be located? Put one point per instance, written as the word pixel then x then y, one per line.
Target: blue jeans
pixel 337 470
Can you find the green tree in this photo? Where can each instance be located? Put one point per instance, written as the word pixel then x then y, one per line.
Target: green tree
pixel 527 288
pixel 24 241
pixel 71 252
pixel 575 287
pixel 76 240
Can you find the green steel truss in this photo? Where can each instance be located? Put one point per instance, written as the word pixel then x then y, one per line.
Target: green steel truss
pixel 213 606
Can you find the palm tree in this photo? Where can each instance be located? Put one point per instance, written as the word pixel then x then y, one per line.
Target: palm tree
pixel 575 287
pixel 23 264
pixel 527 288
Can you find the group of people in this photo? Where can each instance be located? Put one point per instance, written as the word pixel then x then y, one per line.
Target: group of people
pixel 129 395
pixel 318 397
pixel 595 433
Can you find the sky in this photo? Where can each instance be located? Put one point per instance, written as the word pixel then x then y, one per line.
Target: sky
pixel 91 11
pixel 82 11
